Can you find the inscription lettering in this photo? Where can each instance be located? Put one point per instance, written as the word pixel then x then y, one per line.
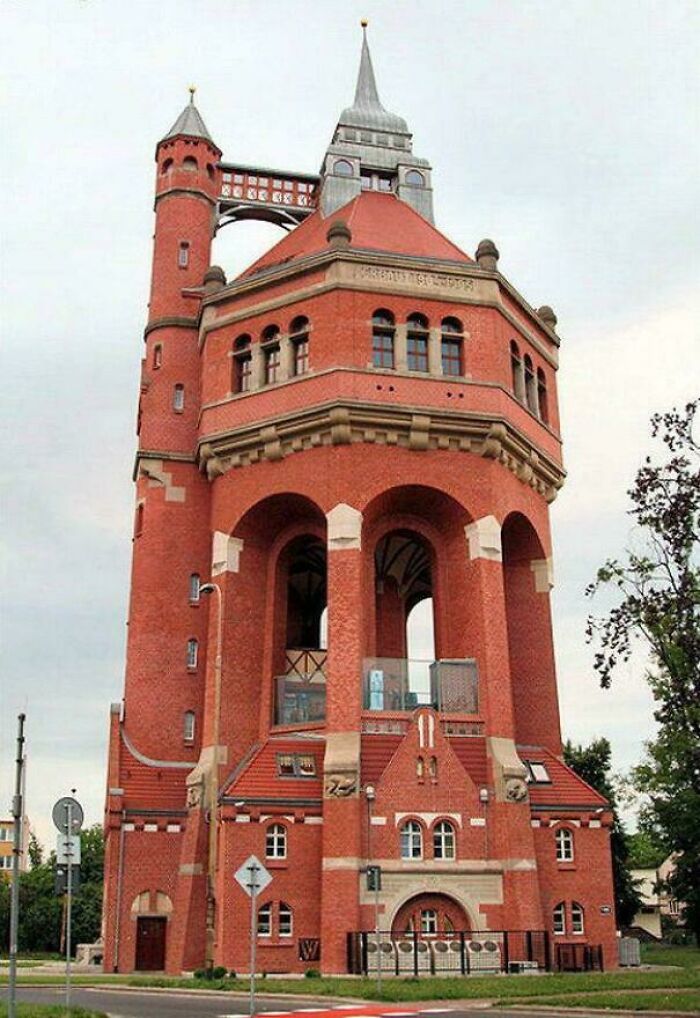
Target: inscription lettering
pixel 434 280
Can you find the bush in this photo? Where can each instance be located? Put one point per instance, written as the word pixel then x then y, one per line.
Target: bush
pixel 232 974
pixel 218 972
pixel 312 974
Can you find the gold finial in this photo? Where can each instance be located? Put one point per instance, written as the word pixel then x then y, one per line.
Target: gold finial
pixel 364 22
pixel 192 89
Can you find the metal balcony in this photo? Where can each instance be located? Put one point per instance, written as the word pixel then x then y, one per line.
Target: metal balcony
pixel 402 684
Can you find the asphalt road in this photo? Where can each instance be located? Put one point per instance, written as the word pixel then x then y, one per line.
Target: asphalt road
pixel 137 1004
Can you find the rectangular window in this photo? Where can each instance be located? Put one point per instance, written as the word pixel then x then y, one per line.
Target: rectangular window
pixel 417 353
pixel 301 357
pixel 178 398
pixel 285 765
pixel 383 349
pixel 559 919
pixel 285 920
pixel 183 254
pixel 194 588
pixel 272 364
pixel 265 921
pixel 188 726
pixel 451 357
pixel 192 653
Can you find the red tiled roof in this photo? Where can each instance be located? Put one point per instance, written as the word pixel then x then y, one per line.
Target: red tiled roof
pixel 375 753
pixel 380 222
pixel 566 788
pixel 259 778
pixel 471 753
pixel 149 786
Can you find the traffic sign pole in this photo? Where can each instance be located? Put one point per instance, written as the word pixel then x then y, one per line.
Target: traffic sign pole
pixel 253 868
pixel 69 896
pixel 17 814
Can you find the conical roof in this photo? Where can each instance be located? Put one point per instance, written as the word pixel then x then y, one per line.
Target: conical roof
pixel 367 111
pixel 190 123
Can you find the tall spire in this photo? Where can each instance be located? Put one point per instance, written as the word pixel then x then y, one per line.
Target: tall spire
pixel 190 122
pixel 367 111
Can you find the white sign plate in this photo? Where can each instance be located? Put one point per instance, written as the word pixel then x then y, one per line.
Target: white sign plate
pixel 252 876
pixel 68 844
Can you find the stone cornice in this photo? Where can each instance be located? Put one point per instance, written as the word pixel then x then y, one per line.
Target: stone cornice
pixel 172 321
pixel 382 272
pixel 343 422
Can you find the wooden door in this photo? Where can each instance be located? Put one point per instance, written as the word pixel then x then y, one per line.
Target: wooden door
pixel 150 943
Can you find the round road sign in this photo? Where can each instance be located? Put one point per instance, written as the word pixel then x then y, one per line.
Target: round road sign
pixel 65 806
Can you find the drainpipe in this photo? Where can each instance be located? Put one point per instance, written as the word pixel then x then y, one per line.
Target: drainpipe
pixel 120 881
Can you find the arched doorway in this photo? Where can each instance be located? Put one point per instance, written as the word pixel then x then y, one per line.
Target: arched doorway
pixel 430 915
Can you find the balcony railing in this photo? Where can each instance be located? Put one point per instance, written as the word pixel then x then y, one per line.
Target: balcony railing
pixel 300 694
pixel 401 684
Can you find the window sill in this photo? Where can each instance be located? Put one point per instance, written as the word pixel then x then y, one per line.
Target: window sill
pixel 191 669
pixel 566 865
pixel 277 864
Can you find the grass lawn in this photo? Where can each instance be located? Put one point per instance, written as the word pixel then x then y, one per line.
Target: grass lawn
pixel 662 954
pixel 50 1011
pixel 662 1001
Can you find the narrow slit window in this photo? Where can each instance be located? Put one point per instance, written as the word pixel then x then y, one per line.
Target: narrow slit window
pixel 542 396
pixel 192 653
pixel 188 726
pixel 194 588
pixel 183 254
pixel 157 356
pixel 178 398
pixel 530 385
pixel 516 367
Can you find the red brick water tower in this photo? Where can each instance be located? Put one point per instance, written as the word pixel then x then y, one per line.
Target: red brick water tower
pixel 346 453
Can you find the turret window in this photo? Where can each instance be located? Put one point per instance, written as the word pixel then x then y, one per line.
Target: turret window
pixel 194 588
pixel 188 725
pixel 415 178
pixel 189 163
pixel 342 168
pixel 542 396
pixel 383 339
pixel 242 364
pixel 157 356
pixel 299 337
pixel 183 254
pixel 451 345
pixel 417 343
pixel 178 398
pixel 167 165
pixel 192 654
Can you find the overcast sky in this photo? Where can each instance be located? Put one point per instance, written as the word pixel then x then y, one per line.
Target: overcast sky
pixel 567 132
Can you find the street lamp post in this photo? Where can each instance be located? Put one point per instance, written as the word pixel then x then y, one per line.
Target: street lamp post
pixel 214 588
pixel 370 795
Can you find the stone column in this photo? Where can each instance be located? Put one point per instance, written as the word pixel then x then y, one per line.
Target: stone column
pixel 342 807
pixel 435 351
pixel 286 369
pixel 400 349
pixel 257 366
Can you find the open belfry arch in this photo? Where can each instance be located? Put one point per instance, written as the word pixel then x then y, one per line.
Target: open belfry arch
pixel 361 426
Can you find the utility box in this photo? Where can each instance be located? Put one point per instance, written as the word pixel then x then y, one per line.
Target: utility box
pixel 630 954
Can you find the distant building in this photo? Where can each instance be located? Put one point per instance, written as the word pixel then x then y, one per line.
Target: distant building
pixel 656 902
pixel 7 836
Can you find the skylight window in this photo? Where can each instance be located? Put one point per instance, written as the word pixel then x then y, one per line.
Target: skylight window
pixel 537 773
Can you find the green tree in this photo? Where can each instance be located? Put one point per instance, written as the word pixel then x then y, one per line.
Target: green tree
pixel 592 763
pixel 646 852
pixel 35 851
pixel 658 604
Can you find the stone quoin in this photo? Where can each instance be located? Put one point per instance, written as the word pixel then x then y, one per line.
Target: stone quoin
pixel 358 432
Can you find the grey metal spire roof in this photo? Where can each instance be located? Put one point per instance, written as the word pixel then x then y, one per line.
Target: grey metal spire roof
pixel 190 123
pixel 367 111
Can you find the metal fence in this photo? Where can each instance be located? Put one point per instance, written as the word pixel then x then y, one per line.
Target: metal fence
pixel 458 953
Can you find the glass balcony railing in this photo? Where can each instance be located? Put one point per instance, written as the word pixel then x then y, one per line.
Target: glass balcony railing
pixel 401 684
pixel 300 694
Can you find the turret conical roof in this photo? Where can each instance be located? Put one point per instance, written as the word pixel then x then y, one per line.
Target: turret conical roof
pixel 367 111
pixel 190 123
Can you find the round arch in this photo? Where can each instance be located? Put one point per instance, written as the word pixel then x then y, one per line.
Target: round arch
pixel 451 904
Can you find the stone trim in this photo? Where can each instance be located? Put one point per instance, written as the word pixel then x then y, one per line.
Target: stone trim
pixel 340 423
pixel 159 478
pixel 463 283
pixel 344 527
pixel 543 569
pixel 161 456
pixel 171 321
pixel 150 762
pixel 225 554
pixel 484 539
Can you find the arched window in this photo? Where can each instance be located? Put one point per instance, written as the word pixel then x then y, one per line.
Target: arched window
pixel 417 342
pixel 286 920
pixel 271 353
pixel 411 840
pixel 342 168
pixel 194 588
pixel 167 165
pixel 383 339
pixel 276 842
pixel 210 171
pixel 242 364
pixel 451 344
pixel 516 367
pixel 299 337
pixel 265 920
pixel 192 653
pixel 564 839
pixel 577 925
pixel 444 840
pixel 189 163
pixel 178 398
pixel 530 385
pixel 542 396
pixel 415 178
pixel 559 918
pixel 183 254
pixel 420 768
pixel 428 921
pixel 188 726
pixel 157 356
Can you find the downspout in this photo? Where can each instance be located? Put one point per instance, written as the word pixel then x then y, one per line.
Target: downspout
pixel 120 881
